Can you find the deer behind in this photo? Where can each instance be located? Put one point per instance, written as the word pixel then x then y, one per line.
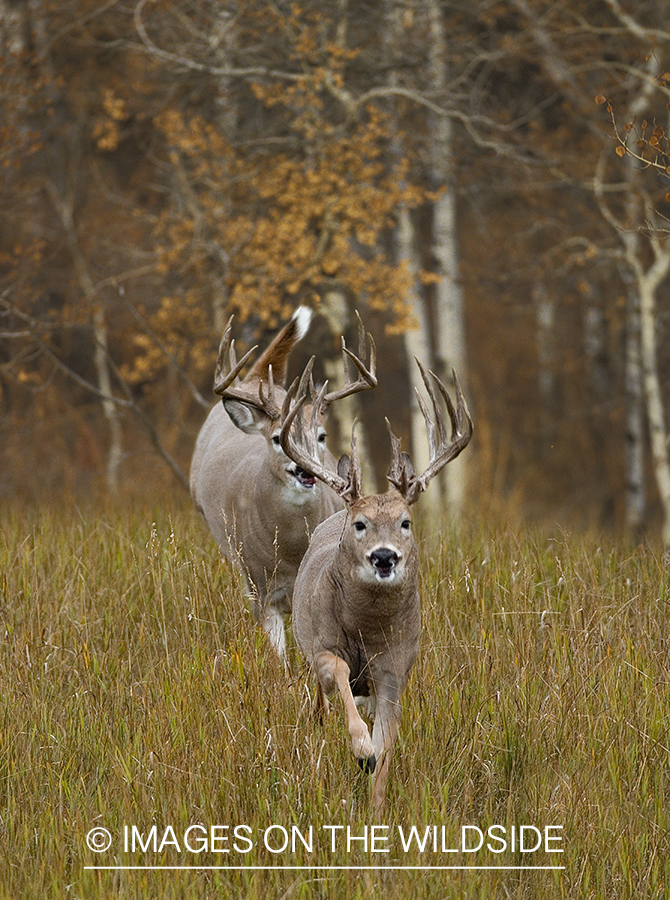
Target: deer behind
pixel 356 604
pixel 259 505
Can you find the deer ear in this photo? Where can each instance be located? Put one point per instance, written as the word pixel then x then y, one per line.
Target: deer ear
pixel 245 416
pixel 402 475
pixel 343 465
pixel 349 470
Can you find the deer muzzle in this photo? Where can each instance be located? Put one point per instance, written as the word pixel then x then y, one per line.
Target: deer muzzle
pixel 303 477
pixel 384 561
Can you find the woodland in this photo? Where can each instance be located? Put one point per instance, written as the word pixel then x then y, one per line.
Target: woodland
pixel 485 182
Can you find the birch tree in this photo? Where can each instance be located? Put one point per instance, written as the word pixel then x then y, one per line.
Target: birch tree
pixel 450 346
pixel 645 260
pixel 626 208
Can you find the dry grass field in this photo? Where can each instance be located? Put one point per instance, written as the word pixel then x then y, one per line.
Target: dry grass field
pixel 137 696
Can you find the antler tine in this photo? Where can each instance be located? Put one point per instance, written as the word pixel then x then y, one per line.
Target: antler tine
pixel 367 379
pixel 296 393
pixel 224 379
pixel 437 434
pixel 307 380
pixel 268 401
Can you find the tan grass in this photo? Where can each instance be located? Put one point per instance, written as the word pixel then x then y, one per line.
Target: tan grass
pixel 136 690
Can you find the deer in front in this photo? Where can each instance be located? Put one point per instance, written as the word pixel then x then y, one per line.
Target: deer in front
pixel 261 506
pixel 356 604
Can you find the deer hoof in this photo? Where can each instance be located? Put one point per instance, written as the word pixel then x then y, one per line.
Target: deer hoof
pixel 368 764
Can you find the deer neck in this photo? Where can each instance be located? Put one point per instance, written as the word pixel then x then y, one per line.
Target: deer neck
pixel 364 606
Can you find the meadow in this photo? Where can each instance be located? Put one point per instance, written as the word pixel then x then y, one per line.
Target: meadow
pixel 138 696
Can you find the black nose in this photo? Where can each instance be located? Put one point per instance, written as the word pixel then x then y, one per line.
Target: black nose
pixel 384 559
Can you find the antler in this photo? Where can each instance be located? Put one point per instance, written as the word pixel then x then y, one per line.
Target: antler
pixel 442 449
pixel 227 383
pixel 300 443
pixel 367 379
pixel 223 380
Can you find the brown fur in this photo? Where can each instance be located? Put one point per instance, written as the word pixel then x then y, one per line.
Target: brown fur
pixel 356 605
pixel 259 514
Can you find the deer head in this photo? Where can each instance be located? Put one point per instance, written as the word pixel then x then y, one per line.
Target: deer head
pixel 256 405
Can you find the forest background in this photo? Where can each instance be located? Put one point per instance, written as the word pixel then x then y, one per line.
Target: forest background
pixel 485 181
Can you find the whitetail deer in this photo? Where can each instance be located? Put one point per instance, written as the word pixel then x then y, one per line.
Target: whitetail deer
pixel 356 605
pixel 261 506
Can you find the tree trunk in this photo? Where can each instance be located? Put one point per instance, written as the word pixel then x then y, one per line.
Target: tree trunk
pixel 545 314
pixel 649 283
pixel 417 338
pixel 449 337
pixel 417 345
pixel 634 441
pixel 336 311
pixel 110 411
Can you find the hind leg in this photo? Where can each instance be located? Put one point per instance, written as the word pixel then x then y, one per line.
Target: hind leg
pixel 273 625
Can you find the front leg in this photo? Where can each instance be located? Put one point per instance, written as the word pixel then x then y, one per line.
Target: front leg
pixel 333 673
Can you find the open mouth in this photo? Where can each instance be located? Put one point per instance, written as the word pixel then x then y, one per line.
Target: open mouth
pixel 303 477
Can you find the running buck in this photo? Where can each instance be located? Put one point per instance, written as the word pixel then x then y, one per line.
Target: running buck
pixel 261 506
pixel 356 605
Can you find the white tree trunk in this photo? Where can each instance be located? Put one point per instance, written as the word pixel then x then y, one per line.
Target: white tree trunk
pixel 545 314
pixel 634 440
pixel 225 38
pixel 594 346
pixel 417 345
pixel 649 282
pixel 100 355
pixel 449 338
pixel 417 338
pixel 336 311
pixel 642 376
pixel 108 406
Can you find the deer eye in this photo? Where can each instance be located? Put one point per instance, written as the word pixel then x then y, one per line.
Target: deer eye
pixel 322 437
pixel 275 440
pixel 359 526
pixel 406 524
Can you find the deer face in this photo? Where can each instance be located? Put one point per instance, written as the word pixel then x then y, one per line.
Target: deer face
pixel 378 537
pixel 299 484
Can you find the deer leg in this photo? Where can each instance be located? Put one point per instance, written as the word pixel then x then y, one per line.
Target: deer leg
pixel 269 611
pixel 333 673
pixel 368 705
pixel 321 704
pixel 384 733
pixel 273 625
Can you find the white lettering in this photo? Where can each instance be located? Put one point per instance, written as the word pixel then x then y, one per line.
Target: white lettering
pixel 283 833
pixel 241 837
pixel 464 830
